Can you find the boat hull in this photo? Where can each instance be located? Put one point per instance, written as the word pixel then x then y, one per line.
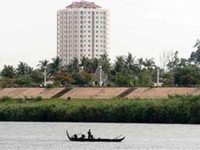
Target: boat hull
pixel 94 140
pixel 97 140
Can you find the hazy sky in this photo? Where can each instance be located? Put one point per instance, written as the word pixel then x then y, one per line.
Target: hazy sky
pixel 145 28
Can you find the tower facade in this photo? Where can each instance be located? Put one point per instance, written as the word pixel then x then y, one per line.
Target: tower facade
pixel 82 31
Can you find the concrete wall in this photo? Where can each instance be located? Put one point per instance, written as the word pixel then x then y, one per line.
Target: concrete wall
pixel 29 92
pixel 162 92
pixel 98 93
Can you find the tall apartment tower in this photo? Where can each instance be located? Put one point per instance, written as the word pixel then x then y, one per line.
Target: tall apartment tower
pixel 82 31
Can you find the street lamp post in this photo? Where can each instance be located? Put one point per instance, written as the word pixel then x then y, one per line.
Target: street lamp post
pixel 81 69
pixel 158 77
pixel 100 75
pixel 45 76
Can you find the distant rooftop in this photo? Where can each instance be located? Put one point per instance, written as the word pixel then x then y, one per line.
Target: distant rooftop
pixel 83 4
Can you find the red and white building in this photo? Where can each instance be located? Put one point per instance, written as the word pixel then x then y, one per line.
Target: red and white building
pixel 82 31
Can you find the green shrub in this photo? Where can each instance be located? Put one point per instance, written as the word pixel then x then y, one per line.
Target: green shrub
pixel 6 98
pixel 176 109
pixel 48 86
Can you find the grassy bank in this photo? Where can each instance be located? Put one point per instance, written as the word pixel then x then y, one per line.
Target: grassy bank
pixel 178 109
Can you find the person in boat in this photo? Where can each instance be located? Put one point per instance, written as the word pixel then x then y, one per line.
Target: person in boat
pixel 75 136
pixel 90 136
pixel 82 136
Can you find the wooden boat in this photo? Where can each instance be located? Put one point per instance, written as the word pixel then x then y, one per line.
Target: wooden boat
pixel 94 139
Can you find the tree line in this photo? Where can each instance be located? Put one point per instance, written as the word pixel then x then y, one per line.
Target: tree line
pixel 128 71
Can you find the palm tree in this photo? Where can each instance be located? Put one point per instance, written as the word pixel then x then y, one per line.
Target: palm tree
pixel 94 64
pixel 43 64
pixel 130 64
pixel 23 68
pixel 83 61
pixel 119 64
pixel 75 64
pixel 149 64
pixel 129 60
pixel 140 63
pixel 86 63
pixel 69 68
pixel 104 61
pixel 55 66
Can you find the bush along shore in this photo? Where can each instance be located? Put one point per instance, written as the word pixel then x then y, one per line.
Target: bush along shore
pixel 176 109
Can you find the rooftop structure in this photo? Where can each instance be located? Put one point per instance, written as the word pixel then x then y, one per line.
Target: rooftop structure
pixel 83 4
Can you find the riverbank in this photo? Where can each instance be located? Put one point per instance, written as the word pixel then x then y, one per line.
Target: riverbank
pixel 176 109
